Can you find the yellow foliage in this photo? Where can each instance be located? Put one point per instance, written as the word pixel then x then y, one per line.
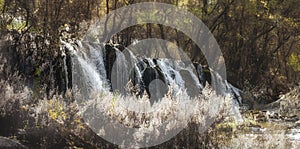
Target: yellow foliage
pixel 56 111
pixel 53 114
pixel 38 72
pixel 113 102
pixel 227 126
pixel 294 61
pixel 16 24
pixel 1 4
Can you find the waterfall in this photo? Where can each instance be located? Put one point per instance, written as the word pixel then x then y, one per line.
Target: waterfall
pixel 107 67
pixel 88 68
pixel 96 58
pixel 120 75
pixel 87 76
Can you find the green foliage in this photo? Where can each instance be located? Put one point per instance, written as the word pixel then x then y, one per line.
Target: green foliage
pixel 56 110
pixel 38 72
pixel 2 5
pixel 294 61
pixel 116 95
pixel 227 126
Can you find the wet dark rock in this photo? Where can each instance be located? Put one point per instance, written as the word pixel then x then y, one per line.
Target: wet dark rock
pixel 110 57
pixel 201 74
pixel 204 73
pixel 191 87
pixel 150 75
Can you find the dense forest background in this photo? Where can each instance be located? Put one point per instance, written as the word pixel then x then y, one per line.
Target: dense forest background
pixel 260 39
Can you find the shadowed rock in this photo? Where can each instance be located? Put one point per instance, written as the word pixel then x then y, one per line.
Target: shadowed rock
pixel 6 143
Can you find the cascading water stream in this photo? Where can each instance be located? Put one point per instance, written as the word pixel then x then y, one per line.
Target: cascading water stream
pixel 91 74
pixel 121 67
pixel 66 70
pixel 88 68
pixel 96 58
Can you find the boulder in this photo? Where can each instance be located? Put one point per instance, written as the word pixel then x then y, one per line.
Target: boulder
pixel 289 104
pixel 9 143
